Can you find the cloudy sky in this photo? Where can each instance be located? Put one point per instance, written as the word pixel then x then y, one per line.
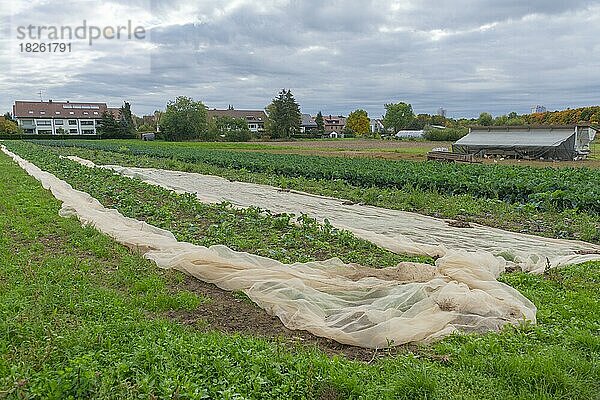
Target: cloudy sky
pixel 467 56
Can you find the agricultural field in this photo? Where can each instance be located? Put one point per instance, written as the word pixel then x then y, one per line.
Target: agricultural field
pixel 551 202
pixel 84 317
pixel 548 188
pixel 411 150
pixel 375 148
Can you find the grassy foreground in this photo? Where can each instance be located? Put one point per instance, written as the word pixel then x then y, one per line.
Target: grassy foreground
pixel 81 317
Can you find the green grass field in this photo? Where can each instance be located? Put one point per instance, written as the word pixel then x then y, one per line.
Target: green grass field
pixel 83 317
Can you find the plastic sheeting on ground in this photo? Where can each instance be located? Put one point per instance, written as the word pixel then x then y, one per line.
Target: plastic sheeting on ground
pixel 399 231
pixel 351 304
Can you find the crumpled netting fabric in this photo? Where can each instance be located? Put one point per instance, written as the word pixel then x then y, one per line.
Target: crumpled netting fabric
pixel 399 231
pixel 350 304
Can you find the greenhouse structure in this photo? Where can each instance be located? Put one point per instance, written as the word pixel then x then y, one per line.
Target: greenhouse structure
pixel 557 142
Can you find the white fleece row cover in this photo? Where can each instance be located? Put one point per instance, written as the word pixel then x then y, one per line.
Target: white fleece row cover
pixel 351 304
pixel 399 231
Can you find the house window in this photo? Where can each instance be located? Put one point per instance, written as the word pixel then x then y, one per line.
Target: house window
pixel 30 112
pixel 43 123
pixel 42 112
pixel 71 113
pixel 95 112
pixel 58 122
pixel 87 123
pixel 88 132
pixel 44 132
pixel 57 112
pixel 86 113
pixel 72 122
pixel 72 130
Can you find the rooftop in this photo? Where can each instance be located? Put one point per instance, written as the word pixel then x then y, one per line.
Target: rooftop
pixel 250 115
pixel 60 109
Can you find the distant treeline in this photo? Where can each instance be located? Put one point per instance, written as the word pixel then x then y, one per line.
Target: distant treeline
pixel 568 116
pixel 457 128
pixel 563 117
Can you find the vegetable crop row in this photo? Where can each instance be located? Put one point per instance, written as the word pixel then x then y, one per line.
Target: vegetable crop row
pixel 544 188
pixel 284 237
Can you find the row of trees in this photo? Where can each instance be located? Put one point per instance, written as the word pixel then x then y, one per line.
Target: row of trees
pixel 186 119
pixel 563 117
pixel 398 116
pixel 568 116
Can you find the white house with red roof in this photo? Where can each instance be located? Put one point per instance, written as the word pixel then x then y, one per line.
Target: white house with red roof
pixel 58 117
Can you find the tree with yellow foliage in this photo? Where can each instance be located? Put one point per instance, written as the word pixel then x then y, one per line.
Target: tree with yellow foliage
pixel 8 127
pixel 358 122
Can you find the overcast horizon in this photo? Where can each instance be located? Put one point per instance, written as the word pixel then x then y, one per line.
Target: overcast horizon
pixel 467 57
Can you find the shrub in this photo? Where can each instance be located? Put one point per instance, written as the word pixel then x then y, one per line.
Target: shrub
pixel 8 127
pixel 444 135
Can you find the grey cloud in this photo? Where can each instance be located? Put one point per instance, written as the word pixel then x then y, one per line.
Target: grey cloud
pixel 342 55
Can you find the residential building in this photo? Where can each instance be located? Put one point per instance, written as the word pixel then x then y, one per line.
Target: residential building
pixel 307 123
pixel 377 126
pixel 538 109
pixel 254 118
pixel 441 112
pixel 148 120
pixel 60 117
pixel 334 124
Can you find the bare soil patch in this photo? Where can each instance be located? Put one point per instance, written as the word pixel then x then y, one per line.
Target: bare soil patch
pixel 359 144
pixel 229 313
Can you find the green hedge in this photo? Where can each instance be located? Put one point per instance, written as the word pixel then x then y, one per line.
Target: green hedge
pixel 445 135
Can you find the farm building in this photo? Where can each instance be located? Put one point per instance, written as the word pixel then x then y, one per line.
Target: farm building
pixel 558 142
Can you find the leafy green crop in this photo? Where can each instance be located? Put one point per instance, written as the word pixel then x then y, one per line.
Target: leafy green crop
pixel 542 188
pixel 286 238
